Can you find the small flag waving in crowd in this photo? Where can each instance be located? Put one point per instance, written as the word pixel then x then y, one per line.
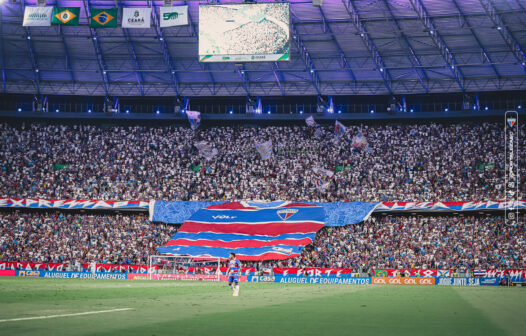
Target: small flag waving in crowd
pixel 206 149
pixel 103 18
pixel 194 118
pixel 339 129
pixel 314 125
pixel 360 141
pixel 264 149
pixel 68 16
pixel 324 178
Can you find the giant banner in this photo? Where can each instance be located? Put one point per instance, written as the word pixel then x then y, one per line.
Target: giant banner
pixel 252 230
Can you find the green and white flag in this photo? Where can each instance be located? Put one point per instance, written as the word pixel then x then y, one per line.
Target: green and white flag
pixel 103 17
pixel 37 16
pixel 173 16
pixel 68 16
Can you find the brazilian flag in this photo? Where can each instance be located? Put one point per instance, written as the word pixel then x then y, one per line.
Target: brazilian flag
pixel 68 16
pixel 103 17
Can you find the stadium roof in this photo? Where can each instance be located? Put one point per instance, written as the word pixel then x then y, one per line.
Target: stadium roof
pixel 342 48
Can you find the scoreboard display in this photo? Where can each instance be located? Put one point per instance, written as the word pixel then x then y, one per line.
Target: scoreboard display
pixel 244 32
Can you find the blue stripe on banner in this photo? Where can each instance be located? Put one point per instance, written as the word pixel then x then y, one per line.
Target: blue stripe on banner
pixel 233 237
pixel 303 214
pixel 220 252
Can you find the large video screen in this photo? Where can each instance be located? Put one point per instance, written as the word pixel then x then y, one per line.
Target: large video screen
pixel 244 32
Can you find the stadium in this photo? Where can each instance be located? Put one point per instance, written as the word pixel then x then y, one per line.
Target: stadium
pixel 262 167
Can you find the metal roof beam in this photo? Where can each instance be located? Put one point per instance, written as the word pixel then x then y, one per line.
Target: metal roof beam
pixel 377 58
pixel 32 56
pixel 206 66
pixel 511 42
pixel 412 58
pixel 98 51
pixel 448 57
pixel 68 59
pixel 2 54
pixel 167 57
pixel 279 77
pixel 482 49
pixel 133 56
pixel 304 54
pixel 340 50
pixel 244 79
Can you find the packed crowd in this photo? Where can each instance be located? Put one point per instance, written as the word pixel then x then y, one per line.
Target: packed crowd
pixel 458 242
pixel 426 162
pixel 71 238
pixel 420 242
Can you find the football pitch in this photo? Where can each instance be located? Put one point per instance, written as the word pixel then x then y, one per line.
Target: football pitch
pixel 140 307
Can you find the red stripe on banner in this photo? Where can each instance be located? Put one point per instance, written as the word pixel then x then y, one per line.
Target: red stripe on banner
pixel 229 206
pixel 301 205
pixel 270 229
pixel 238 243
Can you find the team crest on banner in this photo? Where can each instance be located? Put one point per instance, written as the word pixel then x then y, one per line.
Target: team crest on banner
pixel 136 17
pixel 285 214
pixel 511 121
pixel 66 16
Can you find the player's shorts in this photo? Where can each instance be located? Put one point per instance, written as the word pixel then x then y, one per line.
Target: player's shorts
pixel 233 278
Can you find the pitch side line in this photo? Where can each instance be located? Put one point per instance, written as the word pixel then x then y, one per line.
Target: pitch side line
pixel 64 315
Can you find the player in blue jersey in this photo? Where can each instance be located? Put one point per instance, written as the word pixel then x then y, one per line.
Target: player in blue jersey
pixel 234 268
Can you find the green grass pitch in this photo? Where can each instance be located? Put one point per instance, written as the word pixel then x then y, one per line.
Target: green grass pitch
pixel 204 308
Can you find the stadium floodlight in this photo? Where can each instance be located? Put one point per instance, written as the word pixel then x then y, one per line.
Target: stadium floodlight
pixel 486 108
pixel 339 111
pixel 19 109
pixel 28 37
pixel 89 110
pixel 412 110
pixel 446 109
pixel 268 112
pixel 127 111
pixel 519 107
pixel 372 111
pixel 231 112
pixel 301 111
pixel 157 112
pixel 56 110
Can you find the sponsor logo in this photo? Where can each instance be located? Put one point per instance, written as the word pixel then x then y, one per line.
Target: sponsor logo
pixel 171 16
pixel 37 16
pixel 281 249
pixel 29 273
pixel 267 279
pixel 223 217
pixel 285 214
pixel 65 16
pixel 103 18
pixel 402 281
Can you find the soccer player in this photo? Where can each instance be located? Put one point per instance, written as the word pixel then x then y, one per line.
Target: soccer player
pixel 234 268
